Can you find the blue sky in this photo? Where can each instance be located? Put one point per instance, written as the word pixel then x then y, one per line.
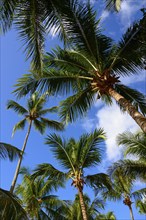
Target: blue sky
pixel 13 65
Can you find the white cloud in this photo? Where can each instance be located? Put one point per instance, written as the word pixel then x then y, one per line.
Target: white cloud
pixel 114 122
pixel 141 77
pixel 128 11
pixel 104 15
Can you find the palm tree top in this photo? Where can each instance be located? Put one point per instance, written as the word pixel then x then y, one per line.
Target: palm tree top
pixel 35 113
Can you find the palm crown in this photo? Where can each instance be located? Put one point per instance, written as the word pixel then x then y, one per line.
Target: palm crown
pixel 75 157
pixel 34 114
pixel 91 68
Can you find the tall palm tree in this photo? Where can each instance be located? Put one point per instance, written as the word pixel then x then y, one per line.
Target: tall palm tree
pixel 75 157
pixel 37 199
pixel 123 189
pixel 9 151
pixel 34 116
pixel 91 68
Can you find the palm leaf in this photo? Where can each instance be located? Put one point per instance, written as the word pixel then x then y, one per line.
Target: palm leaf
pixel 61 149
pixel 90 153
pixel 139 194
pixel 19 125
pixel 128 63
pixel 9 151
pixel 98 181
pixel 10 207
pixel 47 170
pixel 76 105
pixel 16 107
pixel 58 126
pixel 39 125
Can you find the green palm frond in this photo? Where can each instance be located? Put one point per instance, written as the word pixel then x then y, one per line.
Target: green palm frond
pixel 61 150
pixel 134 96
pixel 76 105
pixel 9 151
pixel 89 148
pixel 58 126
pixel 133 169
pixel 39 125
pixel 142 206
pixel 7 13
pixel 139 194
pixel 16 107
pixel 47 170
pixel 135 144
pixel 19 125
pixel 99 181
pixel 129 63
pixel 54 109
pixel 29 20
pixel 10 207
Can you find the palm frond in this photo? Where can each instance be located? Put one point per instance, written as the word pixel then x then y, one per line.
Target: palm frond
pixel 76 105
pixel 134 144
pixel 61 150
pixel 7 14
pixel 16 107
pixel 58 126
pixel 29 20
pixel 139 194
pixel 19 125
pixel 128 63
pixel 10 207
pixel 99 181
pixel 9 151
pixel 48 171
pixel 54 109
pixel 39 125
pixel 133 96
pixel 90 149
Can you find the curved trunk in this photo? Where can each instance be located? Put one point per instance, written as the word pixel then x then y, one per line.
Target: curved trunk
pixel 20 159
pixel 131 212
pixel 138 117
pixel 82 204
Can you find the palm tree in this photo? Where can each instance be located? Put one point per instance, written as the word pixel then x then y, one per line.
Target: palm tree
pixel 75 157
pixel 9 151
pixel 122 188
pixel 37 199
pixel 34 116
pixel 91 68
pixel 108 216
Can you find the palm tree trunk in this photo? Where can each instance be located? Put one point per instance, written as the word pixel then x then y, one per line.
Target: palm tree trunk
pixel 131 212
pixel 20 159
pixel 138 117
pixel 82 204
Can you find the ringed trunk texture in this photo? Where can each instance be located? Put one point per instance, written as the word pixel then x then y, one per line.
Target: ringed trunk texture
pixel 131 213
pixel 138 117
pixel 82 204
pixel 20 160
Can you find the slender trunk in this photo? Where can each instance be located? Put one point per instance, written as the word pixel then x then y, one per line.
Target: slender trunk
pixel 82 204
pixel 131 212
pixel 138 117
pixel 20 160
